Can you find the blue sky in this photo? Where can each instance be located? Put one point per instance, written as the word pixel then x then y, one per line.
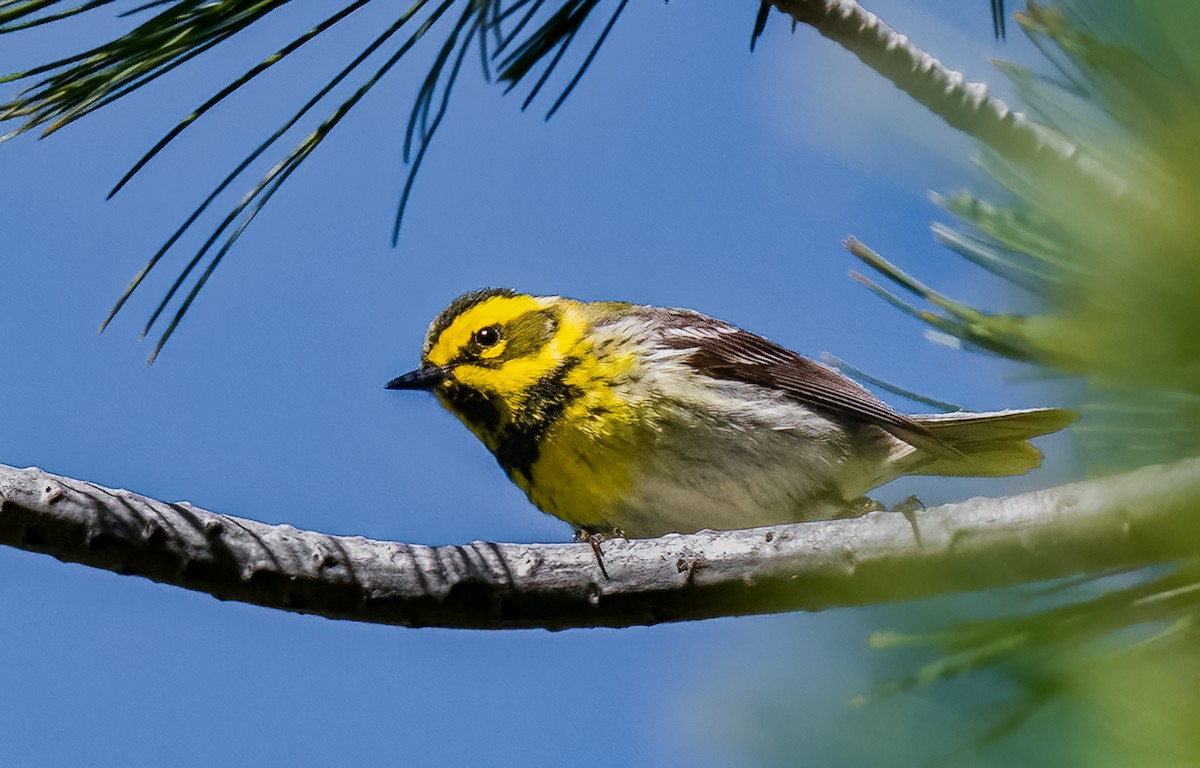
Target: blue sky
pixel 684 171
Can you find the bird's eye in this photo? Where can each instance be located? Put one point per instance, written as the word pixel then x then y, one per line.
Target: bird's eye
pixel 487 336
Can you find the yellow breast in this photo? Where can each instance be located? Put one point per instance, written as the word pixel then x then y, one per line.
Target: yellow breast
pixel 586 459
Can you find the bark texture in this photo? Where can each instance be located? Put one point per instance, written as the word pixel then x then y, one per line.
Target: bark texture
pixel 1118 522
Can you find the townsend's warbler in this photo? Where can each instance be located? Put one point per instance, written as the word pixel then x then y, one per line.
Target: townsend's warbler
pixel 644 420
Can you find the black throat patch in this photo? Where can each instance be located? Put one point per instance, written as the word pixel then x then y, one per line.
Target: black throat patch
pixel 518 443
pixel 474 408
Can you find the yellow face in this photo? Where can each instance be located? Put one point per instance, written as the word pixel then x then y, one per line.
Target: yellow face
pixel 506 344
pixel 488 350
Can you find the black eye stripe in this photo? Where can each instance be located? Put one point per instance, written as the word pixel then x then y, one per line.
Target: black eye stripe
pixel 523 336
pixel 528 334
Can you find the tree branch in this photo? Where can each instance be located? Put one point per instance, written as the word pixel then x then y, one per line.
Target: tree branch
pixel 1118 522
pixel 963 105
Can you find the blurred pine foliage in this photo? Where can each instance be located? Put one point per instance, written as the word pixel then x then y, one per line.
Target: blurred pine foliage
pixel 1117 269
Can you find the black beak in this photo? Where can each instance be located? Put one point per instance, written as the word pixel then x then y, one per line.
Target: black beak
pixel 426 377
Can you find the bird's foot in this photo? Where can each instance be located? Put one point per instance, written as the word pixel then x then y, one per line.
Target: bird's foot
pixel 859 507
pixel 594 538
pixel 909 508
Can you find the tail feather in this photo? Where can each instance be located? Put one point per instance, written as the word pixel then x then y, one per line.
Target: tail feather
pixel 984 444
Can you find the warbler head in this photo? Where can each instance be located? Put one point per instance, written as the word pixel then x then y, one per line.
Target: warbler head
pixel 492 354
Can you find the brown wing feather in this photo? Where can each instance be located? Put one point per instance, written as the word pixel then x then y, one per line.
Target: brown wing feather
pixel 725 351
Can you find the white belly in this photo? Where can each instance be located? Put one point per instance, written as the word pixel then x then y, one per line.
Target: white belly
pixel 771 464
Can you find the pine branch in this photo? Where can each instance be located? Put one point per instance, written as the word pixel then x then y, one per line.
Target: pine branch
pixel 963 105
pixel 1125 521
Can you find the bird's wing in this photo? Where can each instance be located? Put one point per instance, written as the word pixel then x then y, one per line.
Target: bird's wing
pixel 724 351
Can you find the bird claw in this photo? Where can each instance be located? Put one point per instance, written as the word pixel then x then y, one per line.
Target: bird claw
pixel 594 538
pixel 859 507
pixel 909 508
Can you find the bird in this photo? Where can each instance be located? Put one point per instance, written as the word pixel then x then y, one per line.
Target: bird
pixel 638 421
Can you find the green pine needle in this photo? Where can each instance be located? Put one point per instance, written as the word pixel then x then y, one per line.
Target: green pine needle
pixel 525 36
